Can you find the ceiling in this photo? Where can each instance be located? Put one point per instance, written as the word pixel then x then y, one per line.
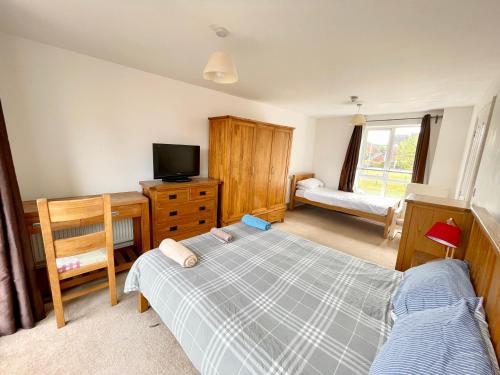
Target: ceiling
pixel 307 56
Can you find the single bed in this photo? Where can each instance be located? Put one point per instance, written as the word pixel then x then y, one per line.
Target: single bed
pixel 270 302
pixel 379 209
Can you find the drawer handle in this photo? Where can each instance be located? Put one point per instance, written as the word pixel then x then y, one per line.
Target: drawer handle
pixel 201 222
pixel 173 229
pixel 36 225
pixel 172 196
pixel 202 208
pixel 114 213
pixel 203 193
pixel 173 213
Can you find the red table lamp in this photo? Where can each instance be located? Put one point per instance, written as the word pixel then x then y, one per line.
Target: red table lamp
pixel 447 234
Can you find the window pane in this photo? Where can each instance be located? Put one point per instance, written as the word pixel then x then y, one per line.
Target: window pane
pixel 395 190
pixel 399 176
pixel 369 172
pixel 403 148
pixel 376 148
pixel 387 160
pixel 370 186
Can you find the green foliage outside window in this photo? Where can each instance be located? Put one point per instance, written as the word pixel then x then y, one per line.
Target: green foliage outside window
pixel 401 159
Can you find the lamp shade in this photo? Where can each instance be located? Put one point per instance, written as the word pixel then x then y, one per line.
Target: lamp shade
pixel 445 234
pixel 220 68
pixel 358 119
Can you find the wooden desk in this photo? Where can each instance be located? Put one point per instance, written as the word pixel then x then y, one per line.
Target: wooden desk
pixel 130 205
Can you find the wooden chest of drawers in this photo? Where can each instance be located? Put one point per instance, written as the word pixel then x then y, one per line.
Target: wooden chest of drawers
pixel 181 210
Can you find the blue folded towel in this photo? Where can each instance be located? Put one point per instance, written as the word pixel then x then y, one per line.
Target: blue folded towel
pixel 256 222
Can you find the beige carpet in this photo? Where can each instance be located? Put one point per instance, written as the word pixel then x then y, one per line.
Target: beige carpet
pixel 349 234
pixel 100 339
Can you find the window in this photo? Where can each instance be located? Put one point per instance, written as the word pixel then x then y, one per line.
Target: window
pixel 386 160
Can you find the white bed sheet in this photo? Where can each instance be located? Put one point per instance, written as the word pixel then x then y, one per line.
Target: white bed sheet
pixel 366 203
pixel 300 193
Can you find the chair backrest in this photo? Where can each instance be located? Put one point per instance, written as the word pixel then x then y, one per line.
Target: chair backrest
pixel 75 211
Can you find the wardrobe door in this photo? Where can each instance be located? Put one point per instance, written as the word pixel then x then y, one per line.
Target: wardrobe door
pixel 261 167
pixel 280 154
pixel 239 181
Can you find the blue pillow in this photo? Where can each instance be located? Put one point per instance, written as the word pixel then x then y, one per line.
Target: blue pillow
pixel 431 285
pixel 445 340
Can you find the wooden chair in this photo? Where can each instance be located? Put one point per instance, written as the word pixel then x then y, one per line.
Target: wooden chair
pixel 416 188
pixel 96 248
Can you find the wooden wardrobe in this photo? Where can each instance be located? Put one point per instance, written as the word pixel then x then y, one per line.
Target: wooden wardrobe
pixel 251 159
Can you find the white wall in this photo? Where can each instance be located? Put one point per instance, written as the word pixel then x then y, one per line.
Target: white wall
pixel 79 125
pixel 480 109
pixel 333 135
pixel 450 148
pixel 488 178
pixel 332 138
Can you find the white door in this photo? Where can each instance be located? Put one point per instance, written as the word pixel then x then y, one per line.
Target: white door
pixel 483 120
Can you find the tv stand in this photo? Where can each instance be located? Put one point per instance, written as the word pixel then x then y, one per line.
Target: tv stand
pixel 177 179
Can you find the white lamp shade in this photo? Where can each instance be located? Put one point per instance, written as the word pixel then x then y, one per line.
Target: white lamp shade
pixel 358 119
pixel 220 68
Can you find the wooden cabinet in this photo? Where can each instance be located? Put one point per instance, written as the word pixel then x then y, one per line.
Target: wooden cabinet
pixel 251 160
pixel 279 168
pixel 421 213
pixel 262 159
pixel 240 169
pixel 181 210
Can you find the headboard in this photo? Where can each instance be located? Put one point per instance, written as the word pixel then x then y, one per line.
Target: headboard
pixel 483 255
pixel 296 178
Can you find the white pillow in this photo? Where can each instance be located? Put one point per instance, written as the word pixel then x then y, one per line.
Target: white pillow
pixel 310 183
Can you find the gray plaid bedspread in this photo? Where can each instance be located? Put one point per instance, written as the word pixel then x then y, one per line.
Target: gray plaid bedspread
pixel 270 303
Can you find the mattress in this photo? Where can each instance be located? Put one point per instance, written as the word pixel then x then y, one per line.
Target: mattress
pixel 270 302
pixel 361 202
pixel 300 193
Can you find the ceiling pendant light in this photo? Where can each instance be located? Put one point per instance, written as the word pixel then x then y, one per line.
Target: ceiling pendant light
pixel 220 67
pixel 358 118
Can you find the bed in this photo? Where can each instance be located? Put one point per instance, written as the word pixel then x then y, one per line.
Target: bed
pixel 270 302
pixel 378 209
pixel 273 302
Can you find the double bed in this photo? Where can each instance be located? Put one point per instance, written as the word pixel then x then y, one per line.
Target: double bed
pixel 273 302
pixel 270 302
pixel 378 209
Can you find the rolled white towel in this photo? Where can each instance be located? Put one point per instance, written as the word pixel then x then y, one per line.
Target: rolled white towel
pixel 178 253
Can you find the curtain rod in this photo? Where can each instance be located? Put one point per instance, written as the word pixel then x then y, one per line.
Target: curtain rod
pixel 437 117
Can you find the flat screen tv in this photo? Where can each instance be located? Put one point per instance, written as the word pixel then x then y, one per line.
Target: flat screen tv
pixel 175 162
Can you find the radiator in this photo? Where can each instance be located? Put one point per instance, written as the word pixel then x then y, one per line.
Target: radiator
pixel 123 235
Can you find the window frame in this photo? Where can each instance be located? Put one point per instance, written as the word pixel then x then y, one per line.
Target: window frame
pixel 387 160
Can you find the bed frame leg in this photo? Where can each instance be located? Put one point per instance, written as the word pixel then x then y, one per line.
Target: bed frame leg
pixel 142 303
pixel 293 187
pixel 386 232
pixel 390 221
